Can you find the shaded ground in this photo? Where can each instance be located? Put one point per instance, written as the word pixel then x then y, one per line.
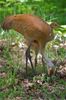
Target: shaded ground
pixel 14 85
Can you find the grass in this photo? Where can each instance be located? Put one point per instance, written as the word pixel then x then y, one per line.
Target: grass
pixel 13 81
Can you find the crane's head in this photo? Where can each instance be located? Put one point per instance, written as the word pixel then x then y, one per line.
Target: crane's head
pixel 54 25
pixel 7 23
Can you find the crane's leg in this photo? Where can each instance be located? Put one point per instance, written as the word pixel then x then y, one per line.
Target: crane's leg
pixel 28 57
